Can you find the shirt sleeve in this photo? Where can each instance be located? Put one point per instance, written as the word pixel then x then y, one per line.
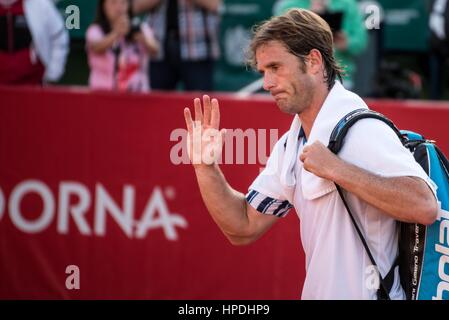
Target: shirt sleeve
pixel 374 146
pixel 267 205
pixel 266 194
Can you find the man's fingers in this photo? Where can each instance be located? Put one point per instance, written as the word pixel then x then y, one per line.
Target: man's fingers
pixel 215 114
pixel 198 112
pixel 302 157
pixel 207 109
pixel 188 118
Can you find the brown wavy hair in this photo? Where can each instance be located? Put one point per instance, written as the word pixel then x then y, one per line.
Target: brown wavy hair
pixel 300 31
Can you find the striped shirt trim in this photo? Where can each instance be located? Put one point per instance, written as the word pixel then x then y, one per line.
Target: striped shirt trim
pixel 268 205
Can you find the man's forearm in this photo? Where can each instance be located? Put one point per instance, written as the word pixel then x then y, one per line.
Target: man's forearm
pixel 407 199
pixel 226 206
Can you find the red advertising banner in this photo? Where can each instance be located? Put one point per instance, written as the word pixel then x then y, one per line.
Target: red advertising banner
pixel 97 201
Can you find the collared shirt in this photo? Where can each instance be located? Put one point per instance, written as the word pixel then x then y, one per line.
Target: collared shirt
pixel 337 266
pixel 198 31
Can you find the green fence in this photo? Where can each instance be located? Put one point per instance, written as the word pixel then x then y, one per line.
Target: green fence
pixel 406 24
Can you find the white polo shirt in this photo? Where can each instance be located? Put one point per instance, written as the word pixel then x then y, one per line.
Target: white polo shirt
pixel 337 266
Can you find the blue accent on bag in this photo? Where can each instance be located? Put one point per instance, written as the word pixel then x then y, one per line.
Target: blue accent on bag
pixel 434 281
pixel 423 250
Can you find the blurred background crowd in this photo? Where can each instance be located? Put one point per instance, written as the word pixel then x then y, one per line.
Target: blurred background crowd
pixel 389 49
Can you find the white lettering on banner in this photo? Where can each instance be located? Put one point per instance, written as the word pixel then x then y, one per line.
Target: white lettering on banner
pixel 443 249
pixel 46 216
pixel 441 268
pixel 155 215
pixel 2 204
pixel 167 221
pixel 104 203
pixel 78 211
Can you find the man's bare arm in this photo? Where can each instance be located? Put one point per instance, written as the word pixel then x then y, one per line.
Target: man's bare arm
pixel 240 223
pixel 407 199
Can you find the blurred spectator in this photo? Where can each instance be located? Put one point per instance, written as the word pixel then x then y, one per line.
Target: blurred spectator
pixel 395 81
pixel 439 46
pixel 188 32
pixel 33 42
pixel 350 41
pixel 118 48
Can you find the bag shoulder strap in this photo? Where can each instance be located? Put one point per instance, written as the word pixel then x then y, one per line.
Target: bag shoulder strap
pixel 335 144
pixel 341 129
pixel 385 283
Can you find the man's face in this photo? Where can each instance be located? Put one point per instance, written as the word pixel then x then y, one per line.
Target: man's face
pixel 287 79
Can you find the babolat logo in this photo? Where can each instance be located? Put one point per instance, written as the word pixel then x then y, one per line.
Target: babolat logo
pixel 443 248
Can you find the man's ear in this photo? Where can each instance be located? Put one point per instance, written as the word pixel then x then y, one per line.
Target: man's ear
pixel 315 61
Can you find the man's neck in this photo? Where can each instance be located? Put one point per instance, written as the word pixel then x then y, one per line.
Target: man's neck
pixel 309 115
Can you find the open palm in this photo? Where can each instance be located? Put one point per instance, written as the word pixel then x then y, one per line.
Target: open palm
pixel 205 140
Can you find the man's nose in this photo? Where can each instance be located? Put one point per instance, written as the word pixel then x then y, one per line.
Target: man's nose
pixel 268 81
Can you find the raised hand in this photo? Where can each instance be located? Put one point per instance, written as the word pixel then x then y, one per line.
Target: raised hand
pixel 205 140
pixel 122 26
